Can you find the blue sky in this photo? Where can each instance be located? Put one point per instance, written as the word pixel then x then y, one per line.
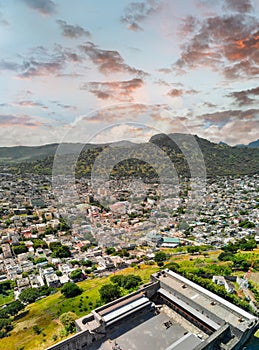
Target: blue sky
pixel 107 70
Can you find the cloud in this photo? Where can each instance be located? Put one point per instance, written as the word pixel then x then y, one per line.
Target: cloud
pixel 245 97
pixel 35 68
pixel 46 63
pixel 241 6
pixel 108 61
pixel 181 92
pixel 42 62
pixel 228 43
pixel 30 104
pixel 136 12
pixel 209 105
pixel 162 82
pixel 9 65
pixel 165 70
pixel 118 90
pixel 7 120
pixel 188 26
pixel 44 7
pixel 125 112
pixel 72 31
pixel 234 132
pixel 222 118
pixel 3 21
pixel 65 106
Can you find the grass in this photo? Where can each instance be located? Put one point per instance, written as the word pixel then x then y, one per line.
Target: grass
pixel 4 299
pixel 45 313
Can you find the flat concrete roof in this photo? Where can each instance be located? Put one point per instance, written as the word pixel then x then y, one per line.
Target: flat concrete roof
pixel 194 312
pixel 222 308
pixel 149 333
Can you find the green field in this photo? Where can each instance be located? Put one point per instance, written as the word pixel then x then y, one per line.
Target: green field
pixel 5 299
pixel 45 313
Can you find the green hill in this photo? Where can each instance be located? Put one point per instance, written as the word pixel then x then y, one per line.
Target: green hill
pixel 187 153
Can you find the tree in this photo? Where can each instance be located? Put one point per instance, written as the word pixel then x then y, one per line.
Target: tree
pixel 36 329
pixel 110 250
pixel 14 307
pixel 40 260
pixel 5 327
pixel 29 295
pixel 246 224
pixel 160 256
pixel 126 282
pixel 39 243
pixel 87 263
pixel 250 244
pixel 123 253
pixel 61 251
pixel 68 321
pixel 71 290
pixel 19 249
pixel 193 249
pixel 226 256
pixel 76 275
pixel 109 292
pixel 54 245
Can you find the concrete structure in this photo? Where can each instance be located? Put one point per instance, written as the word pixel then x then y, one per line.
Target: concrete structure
pixel 169 313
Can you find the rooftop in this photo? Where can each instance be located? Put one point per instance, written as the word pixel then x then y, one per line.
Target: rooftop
pixel 149 332
pixel 207 300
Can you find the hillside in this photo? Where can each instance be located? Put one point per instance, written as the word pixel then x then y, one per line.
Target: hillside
pixel 185 152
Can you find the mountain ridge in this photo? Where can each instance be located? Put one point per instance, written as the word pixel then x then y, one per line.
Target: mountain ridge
pixel 184 151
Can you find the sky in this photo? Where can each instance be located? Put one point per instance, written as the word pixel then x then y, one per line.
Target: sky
pixel 110 70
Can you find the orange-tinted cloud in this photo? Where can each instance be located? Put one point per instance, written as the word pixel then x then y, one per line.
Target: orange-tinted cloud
pixel 222 118
pixel 180 92
pixel 108 61
pixel 245 97
pixel 118 90
pixel 21 120
pixel 228 43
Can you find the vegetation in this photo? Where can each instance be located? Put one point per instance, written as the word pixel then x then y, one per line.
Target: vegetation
pixel 5 327
pixel 29 295
pixel 70 290
pixel 76 275
pixel 160 257
pixel 68 321
pixel 109 292
pixel 219 159
pixel 127 282
pixel 19 249
pixel 59 250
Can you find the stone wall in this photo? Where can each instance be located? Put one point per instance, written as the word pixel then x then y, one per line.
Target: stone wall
pixel 79 341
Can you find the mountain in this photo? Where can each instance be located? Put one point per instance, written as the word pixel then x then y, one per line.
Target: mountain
pixel 187 153
pixel 254 144
pixel 219 159
pixel 223 143
pixel 18 154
